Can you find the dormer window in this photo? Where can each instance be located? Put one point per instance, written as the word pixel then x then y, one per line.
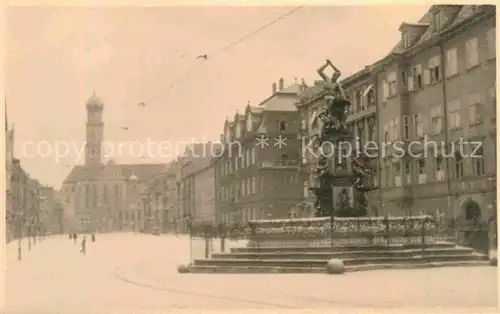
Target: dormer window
pixel 282 126
pixel 249 123
pixel 238 129
pixel 438 20
pixel 406 40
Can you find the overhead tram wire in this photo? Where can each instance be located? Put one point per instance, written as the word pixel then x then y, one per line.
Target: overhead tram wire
pixel 255 32
pixel 223 49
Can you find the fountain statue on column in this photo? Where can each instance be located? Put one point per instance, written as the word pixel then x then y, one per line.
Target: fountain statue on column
pixel 336 168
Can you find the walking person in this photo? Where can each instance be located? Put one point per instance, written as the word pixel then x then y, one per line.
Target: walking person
pixel 93 237
pixel 75 237
pixel 84 242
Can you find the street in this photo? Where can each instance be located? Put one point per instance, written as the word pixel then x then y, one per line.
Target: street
pixel 127 273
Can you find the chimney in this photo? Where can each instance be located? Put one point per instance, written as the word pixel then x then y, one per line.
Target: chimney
pixel 281 83
pixel 274 88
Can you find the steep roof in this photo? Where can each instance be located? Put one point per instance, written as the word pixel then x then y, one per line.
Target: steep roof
pixel 280 104
pixel 143 172
pixel 292 89
pixel 464 13
pixel 256 109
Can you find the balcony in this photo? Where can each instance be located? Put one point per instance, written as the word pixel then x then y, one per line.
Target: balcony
pixel 279 164
pixel 364 112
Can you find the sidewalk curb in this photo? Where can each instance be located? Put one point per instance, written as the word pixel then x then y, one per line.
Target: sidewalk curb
pixel 348 269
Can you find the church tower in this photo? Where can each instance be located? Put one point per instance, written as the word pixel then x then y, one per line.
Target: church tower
pixel 94 131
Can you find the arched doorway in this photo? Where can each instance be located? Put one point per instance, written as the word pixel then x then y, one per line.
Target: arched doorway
pixel 475 233
pixel 472 211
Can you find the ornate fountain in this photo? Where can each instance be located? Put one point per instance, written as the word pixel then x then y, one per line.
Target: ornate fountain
pixel 339 169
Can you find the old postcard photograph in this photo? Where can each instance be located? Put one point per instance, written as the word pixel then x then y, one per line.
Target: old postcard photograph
pixel 262 157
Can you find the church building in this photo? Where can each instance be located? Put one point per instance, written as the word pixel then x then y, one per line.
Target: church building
pixel 98 196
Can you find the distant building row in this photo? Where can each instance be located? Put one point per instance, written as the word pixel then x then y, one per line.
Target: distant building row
pixel 31 208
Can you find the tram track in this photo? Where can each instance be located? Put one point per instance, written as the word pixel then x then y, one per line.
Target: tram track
pixel 119 274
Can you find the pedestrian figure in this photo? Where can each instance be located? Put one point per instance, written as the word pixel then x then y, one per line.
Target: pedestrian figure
pixel 93 237
pixel 75 237
pixel 83 246
pixel 71 236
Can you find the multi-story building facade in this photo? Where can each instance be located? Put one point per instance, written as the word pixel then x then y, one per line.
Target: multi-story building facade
pixel 159 201
pixel 47 202
pixel 58 213
pixel 435 89
pixel 257 170
pixel 23 199
pixel 196 186
pixel 204 197
pixel 100 196
pixel 9 162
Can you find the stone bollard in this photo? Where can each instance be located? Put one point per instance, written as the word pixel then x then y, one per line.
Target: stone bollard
pixel 335 266
pixel 183 269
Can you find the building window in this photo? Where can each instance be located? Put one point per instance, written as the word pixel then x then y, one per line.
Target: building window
pixel 254 185
pixel 434 69
pixel 407 172
pixel 415 80
pixel 117 194
pixel 403 79
pixel 454 120
pixel 397 173
pixel 406 127
pixel 451 62
pixel 454 114
pixel 386 133
pixel 438 168
pixel 394 129
pixel 372 130
pixel 421 171
pixel 306 189
pixel 387 173
pixel 358 101
pixel 385 90
pixel 370 96
pixel 471 53
pixel 478 163
pixel 392 84
pixel 418 122
pixel 459 165
pixel 491 42
pixel 253 155
pixel 475 111
pixel 437 120
pixel 282 126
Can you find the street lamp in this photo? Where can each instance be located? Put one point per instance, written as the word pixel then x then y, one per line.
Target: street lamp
pixel 20 222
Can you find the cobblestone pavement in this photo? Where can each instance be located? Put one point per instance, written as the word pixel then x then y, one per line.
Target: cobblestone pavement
pixel 126 273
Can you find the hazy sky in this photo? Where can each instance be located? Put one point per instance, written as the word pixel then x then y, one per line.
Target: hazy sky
pixel 57 56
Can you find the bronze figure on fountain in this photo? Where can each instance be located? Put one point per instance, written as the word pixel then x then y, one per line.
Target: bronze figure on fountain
pixel 333 131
